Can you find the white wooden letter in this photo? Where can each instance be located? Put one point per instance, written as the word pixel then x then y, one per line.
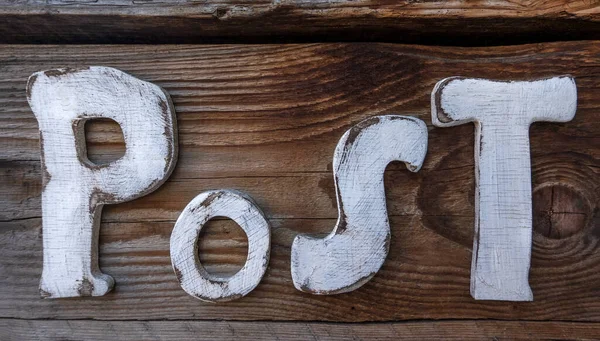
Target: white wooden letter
pixel 502 113
pixel 192 276
pixel 75 189
pixel 356 249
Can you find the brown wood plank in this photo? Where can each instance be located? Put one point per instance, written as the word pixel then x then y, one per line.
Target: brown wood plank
pixel 34 330
pixel 435 22
pixel 265 119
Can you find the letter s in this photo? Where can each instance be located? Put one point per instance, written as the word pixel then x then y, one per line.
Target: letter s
pixel 356 249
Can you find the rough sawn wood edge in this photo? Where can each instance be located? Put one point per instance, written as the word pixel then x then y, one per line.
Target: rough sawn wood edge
pixel 434 22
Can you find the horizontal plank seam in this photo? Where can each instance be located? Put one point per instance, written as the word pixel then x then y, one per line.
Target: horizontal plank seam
pixel 306 321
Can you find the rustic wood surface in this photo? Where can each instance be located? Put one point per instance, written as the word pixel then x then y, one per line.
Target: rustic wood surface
pixel 437 22
pixel 265 119
pixel 18 330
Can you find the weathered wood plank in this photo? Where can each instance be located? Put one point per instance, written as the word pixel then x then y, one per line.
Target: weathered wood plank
pixel 36 330
pixel 425 276
pixel 265 120
pixel 439 22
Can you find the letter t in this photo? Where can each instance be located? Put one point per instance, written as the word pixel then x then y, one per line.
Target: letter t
pixel 502 113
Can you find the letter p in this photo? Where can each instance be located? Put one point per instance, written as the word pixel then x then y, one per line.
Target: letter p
pixel 75 189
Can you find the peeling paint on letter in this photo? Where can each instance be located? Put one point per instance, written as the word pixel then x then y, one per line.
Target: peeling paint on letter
pixel 74 188
pixel 356 249
pixel 192 276
pixel 502 113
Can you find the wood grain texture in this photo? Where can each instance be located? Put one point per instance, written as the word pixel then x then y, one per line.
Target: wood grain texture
pixel 17 330
pixel 74 189
pixel 359 244
pixel 179 21
pixel 502 113
pixel 190 272
pixel 265 120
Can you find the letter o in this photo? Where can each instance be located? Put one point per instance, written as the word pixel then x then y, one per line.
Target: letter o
pixel 192 276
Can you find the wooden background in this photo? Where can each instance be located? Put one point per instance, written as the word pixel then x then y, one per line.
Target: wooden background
pixel 265 119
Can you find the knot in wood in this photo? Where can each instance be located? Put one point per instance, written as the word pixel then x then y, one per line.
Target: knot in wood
pixel 560 211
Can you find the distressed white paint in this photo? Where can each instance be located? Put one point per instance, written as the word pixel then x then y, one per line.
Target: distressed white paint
pixel 356 249
pixel 502 113
pixel 192 276
pixel 76 189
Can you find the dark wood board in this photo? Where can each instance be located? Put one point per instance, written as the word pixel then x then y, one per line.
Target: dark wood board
pixel 36 330
pixel 460 23
pixel 265 119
